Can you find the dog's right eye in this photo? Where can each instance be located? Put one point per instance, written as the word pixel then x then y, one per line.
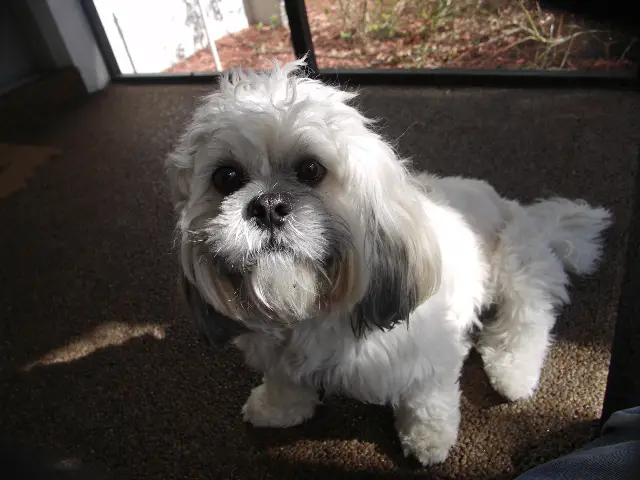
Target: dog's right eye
pixel 228 179
pixel 311 172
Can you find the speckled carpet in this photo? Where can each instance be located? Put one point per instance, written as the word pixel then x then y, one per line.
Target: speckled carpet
pixel 100 365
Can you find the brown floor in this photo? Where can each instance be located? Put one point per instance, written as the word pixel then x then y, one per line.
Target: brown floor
pixel 99 363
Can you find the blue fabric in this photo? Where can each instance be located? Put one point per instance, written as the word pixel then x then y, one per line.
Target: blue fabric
pixel 613 455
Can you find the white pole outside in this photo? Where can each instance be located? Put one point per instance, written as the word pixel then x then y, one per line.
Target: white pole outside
pixel 212 44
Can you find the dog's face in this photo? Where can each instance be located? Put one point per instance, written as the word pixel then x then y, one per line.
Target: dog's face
pixel 292 208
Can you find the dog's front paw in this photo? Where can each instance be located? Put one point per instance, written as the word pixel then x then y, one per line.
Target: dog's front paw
pixel 428 444
pixel 514 380
pixel 266 408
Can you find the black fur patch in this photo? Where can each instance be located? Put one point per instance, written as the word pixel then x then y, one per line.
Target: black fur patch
pixel 391 295
pixel 215 328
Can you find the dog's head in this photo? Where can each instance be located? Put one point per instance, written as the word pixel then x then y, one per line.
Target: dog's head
pixel 292 208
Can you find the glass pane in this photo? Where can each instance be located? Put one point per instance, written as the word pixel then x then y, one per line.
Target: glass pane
pixel 184 36
pixel 471 34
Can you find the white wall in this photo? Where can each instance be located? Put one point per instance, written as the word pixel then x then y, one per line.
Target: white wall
pixel 66 31
pixel 80 42
pixel 158 33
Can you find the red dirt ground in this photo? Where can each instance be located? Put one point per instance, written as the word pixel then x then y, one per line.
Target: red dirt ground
pixel 467 41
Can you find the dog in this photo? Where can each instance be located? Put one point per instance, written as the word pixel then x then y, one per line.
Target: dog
pixel 310 244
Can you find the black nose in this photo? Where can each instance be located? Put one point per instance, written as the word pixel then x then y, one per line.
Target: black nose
pixel 270 209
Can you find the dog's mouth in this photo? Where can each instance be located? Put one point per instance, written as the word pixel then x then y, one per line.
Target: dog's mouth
pixel 274 244
pixel 251 259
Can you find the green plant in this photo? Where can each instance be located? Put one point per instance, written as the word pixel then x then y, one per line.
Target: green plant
pixel 377 18
pixel 465 33
pixel 436 15
pixel 555 38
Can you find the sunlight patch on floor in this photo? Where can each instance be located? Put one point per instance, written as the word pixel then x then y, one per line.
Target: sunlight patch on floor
pixel 106 335
pixel 18 163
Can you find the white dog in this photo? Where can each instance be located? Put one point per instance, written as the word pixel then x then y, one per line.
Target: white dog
pixel 305 239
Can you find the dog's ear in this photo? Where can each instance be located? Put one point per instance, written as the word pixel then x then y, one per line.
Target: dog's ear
pixel 215 328
pixel 404 265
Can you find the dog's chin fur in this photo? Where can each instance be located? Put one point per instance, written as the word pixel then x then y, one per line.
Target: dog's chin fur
pixel 377 277
pixel 286 286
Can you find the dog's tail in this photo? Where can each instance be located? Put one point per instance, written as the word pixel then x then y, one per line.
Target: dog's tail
pixel 574 230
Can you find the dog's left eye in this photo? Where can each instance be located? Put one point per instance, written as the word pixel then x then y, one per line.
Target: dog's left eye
pixel 311 172
pixel 228 179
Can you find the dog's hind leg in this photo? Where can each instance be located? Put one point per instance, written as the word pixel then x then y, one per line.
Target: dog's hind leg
pixel 531 285
pixel 539 245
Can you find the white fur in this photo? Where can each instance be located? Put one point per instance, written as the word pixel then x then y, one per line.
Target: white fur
pixel 465 247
